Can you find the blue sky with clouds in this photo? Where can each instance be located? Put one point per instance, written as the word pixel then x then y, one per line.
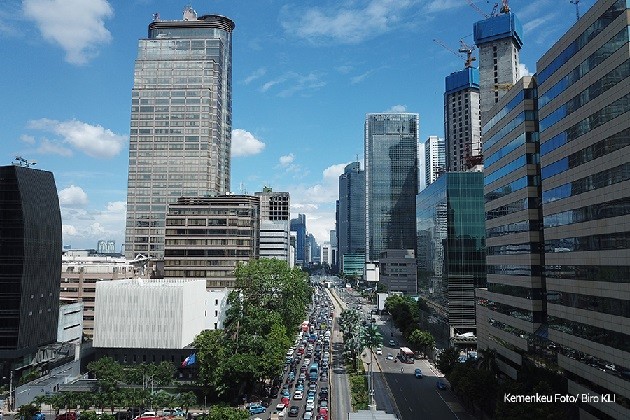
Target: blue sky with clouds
pixel 305 73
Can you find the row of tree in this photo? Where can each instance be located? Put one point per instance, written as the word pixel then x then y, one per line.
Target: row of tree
pixel 266 308
pixel 357 335
pixel 406 317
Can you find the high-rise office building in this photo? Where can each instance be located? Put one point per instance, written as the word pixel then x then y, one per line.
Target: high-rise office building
pixel 499 41
pixel 206 237
pixel 298 225
pixel 558 284
pixel 451 237
pixel 511 309
pixel 181 123
pixel 391 179
pixel 462 121
pixel 434 158
pixel 351 211
pixel 30 257
pixel 275 211
pixel 584 112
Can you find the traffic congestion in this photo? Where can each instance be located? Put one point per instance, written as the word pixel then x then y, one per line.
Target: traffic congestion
pixel 303 390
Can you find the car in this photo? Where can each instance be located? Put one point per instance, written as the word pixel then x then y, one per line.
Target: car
pixel 392 343
pixel 323 404
pixel 256 408
pixel 294 411
pixel 418 373
pixel 280 407
pixel 390 356
pixel 68 415
pixel 308 415
pixel 441 385
pixel 298 395
pixel 310 404
pixel 379 350
pixel 299 387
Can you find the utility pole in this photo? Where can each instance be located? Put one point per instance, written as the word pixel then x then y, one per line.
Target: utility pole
pixel 11 391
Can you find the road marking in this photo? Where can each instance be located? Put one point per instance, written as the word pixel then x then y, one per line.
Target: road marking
pixel 447 404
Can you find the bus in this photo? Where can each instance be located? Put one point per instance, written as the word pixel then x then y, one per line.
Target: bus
pixel 406 355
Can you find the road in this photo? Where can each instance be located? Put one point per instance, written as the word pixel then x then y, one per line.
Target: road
pixel 414 398
pixel 340 388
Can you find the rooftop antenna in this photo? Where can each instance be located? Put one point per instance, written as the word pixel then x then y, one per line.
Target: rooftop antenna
pixel 156 16
pixel 189 13
pixel 577 8
pixel 20 161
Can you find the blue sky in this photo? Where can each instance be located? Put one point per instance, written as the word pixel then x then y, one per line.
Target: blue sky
pixel 305 73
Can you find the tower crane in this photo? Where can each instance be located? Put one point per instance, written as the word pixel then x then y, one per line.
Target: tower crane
pixel 20 161
pixel 481 12
pixel 505 7
pixel 577 8
pixel 464 48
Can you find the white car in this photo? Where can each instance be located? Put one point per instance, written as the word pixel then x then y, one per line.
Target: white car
pixel 310 404
pixel 379 350
pixel 298 395
pixel 390 356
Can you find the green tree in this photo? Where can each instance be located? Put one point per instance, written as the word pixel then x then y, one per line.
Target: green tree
pixel 404 312
pixel 448 360
pixel 108 373
pixel 227 413
pixel 421 340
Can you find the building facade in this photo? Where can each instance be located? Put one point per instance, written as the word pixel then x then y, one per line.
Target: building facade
pixel 434 158
pixel 206 237
pixel 397 271
pixel 181 123
pixel 351 210
pixel 462 121
pixel 275 211
pixel 499 40
pixel 584 111
pixel 30 257
pixel 391 181
pixel 298 225
pixel 450 219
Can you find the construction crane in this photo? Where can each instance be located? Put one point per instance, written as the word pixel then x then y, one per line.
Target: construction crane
pixel 464 48
pixel 505 8
pixel 577 9
pixel 481 12
pixel 468 49
pixel 503 86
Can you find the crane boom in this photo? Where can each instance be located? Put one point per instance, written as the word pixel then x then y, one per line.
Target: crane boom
pixel 474 6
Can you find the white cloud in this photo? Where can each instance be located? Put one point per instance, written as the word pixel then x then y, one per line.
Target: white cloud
pixel 358 79
pixel 47 147
pixel 245 144
pixel 83 228
pixel 27 139
pixel 442 5
pixel 287 159
pixel 78 26
pixel 294 82
pixel 93 140
pixel 523 70
pixel 344 69
pixel 73 196
pixel 256 74
pixel 345 25
pixel 397 108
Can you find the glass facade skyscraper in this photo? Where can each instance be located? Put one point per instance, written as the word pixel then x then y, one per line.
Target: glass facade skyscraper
pixel 351 210
pixel 181 123
pixel 391 178
pixel 451 243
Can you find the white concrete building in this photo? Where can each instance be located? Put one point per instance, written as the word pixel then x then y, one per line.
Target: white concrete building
pixel 153 314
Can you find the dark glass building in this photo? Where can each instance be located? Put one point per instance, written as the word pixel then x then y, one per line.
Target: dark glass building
pixel 351 211
pixel 298 225
pixel 30 264
pixel 391 178
pixel 450 221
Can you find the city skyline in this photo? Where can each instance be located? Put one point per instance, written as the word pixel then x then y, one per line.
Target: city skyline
pixel 297 119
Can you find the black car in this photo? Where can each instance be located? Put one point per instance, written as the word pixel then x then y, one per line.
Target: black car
pixel 294 411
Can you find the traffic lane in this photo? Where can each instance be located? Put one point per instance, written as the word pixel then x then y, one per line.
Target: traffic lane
pixel 419 397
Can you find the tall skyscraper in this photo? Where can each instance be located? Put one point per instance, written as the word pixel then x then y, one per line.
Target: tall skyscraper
pixel 351 211
pixel 434 158
pixel 462 121
pixel 391 179
pixel 275 210
pixel 584 112
pixel 499 41
pixel 298 225
pixel 30 261
pixel 181 122
pixel 558 285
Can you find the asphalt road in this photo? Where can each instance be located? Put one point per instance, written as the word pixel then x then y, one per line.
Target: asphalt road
pixel 414 398
pixel 340 388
